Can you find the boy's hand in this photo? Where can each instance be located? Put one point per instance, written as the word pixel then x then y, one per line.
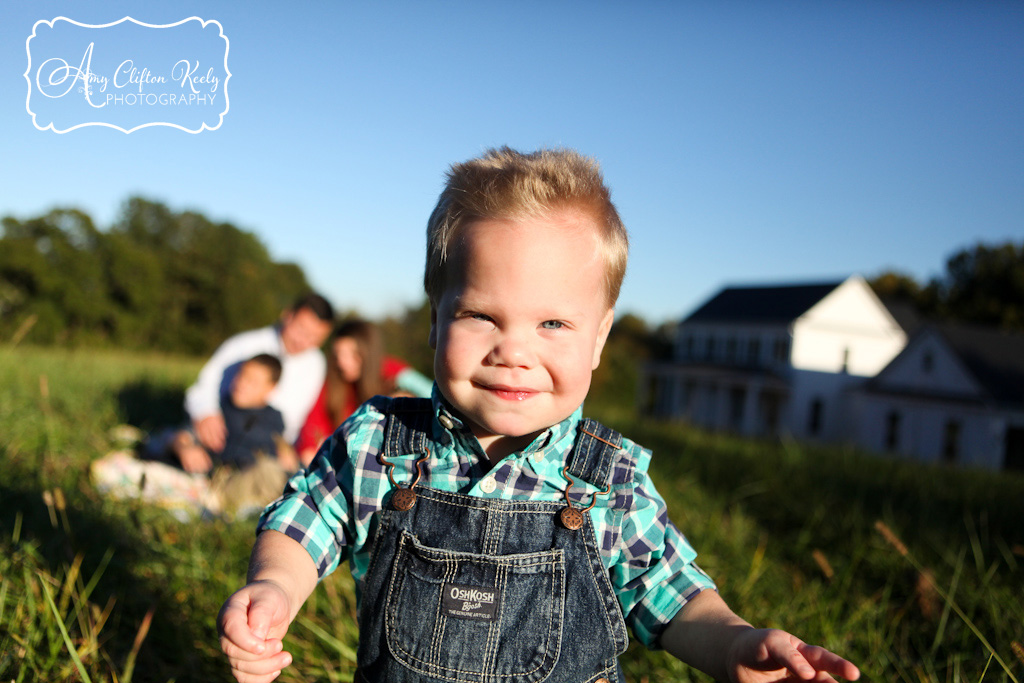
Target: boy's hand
pixel 252 623
pixel 212 432
pixel 763 655
pixel 195 460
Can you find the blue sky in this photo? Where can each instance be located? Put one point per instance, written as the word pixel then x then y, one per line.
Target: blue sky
pixel 743 142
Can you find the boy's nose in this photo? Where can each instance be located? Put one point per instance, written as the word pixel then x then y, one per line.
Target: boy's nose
pixel 512 350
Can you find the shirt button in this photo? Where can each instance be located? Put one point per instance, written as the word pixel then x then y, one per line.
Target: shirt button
pixel 538 456
pixel 488 485
pixel 445 421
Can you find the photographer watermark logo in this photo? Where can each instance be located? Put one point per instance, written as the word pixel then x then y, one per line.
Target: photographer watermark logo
pixel 127 75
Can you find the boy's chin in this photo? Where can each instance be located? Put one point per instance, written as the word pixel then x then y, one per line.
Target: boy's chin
pixel 247 405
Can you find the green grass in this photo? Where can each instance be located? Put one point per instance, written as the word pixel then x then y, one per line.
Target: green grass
pixel 96 590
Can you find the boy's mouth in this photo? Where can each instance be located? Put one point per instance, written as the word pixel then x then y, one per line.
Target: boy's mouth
pixel 510 393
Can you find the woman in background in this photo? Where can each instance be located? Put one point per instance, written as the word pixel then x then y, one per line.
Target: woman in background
pixel 357 370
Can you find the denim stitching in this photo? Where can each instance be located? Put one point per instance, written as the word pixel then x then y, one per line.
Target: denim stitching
pixel 605 592
pixel 557 567
pixel 491 653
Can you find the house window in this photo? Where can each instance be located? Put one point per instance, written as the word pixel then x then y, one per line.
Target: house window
pixel 1013 449
pixel 814 417
pixel 951 441
pixel 688 346
pixel 754 351
pixel 689 389
pixel 709 352
pixel 711 406
pixel 730 349
pixel 892 431
pixel 927 362
pixel 781 350
pixel 737 397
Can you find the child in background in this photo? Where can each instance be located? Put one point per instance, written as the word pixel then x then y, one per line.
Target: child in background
pixel 245 475
pixel 253 427
pixel 494 534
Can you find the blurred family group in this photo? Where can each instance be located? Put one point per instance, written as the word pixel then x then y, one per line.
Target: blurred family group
pixel 260 409
pixel 267 398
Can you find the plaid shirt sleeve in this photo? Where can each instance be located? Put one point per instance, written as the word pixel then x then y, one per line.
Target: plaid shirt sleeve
pixel 316 508
pixel 655 573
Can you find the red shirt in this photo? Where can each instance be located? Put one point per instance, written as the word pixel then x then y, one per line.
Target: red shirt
pixel 319 425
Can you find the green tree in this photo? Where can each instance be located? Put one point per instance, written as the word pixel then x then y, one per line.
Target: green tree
pixel 892 284
pixel 156 279
pixel 985 284
pixel 406 337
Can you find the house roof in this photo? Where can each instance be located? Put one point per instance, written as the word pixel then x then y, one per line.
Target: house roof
pixel 905 314
pixel 776 304
pixel 994 357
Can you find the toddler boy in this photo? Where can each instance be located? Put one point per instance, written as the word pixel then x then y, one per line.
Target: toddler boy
pixel 253 426
pixel 493 533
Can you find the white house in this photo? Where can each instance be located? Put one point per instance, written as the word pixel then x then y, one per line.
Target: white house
pixel 955 394
pixel 775 359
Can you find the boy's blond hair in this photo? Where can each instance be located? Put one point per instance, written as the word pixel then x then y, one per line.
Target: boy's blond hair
pixel 506 184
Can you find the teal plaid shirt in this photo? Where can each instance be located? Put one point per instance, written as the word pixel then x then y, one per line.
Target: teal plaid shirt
pixel 330 507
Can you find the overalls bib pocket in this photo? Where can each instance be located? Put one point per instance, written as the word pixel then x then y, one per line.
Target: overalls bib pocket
pixel 475 618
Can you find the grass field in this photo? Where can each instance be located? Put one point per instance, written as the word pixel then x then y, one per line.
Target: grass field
pixel 913 572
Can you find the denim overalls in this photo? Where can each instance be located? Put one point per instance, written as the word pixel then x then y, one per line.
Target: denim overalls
pixel 477 590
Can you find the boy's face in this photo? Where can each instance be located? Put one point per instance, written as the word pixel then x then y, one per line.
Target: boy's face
pixel 520 325
pixel 252 386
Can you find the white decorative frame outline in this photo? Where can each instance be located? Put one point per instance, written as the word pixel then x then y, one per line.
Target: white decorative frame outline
pixel 50 23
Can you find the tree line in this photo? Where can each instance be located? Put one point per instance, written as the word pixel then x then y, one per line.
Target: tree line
pixel 156 279
pixel 982 285
pixel 179 282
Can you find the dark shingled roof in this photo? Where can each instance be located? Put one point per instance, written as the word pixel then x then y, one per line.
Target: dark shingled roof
pixel 780 304
pixel 994 357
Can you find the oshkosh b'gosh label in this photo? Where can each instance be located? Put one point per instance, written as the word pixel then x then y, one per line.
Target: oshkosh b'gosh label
pixel 469 602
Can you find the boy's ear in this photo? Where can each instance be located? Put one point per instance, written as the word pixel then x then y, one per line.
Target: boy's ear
pixel 432 337
pixel 602 336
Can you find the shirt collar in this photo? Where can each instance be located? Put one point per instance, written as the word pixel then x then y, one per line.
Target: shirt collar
pixel 449 427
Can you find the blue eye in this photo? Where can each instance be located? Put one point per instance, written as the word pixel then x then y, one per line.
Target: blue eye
pixel 552 324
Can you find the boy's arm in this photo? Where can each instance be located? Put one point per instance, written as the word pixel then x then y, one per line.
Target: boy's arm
pixel 707 634
pixel 254 620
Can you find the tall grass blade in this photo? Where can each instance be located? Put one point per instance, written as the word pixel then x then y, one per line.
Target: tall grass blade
pixel 941 631
pixel 902 550
pixel 64 632
pixel 985 670
pixel 129 665
pixel 344 650
pixel 87 591
pixel 3 598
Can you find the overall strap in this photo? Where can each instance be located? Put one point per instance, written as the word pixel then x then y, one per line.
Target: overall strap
pixel 408 426
pixel 593 452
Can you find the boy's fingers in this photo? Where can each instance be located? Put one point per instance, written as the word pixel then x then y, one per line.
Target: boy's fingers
pixel 260 670
pixel 823 660
pixel 235 628
pixel 261 618
pixel 233 651
pixel 783 649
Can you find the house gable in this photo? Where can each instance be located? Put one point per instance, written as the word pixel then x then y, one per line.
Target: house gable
pixel 850 330
pixel 929 367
